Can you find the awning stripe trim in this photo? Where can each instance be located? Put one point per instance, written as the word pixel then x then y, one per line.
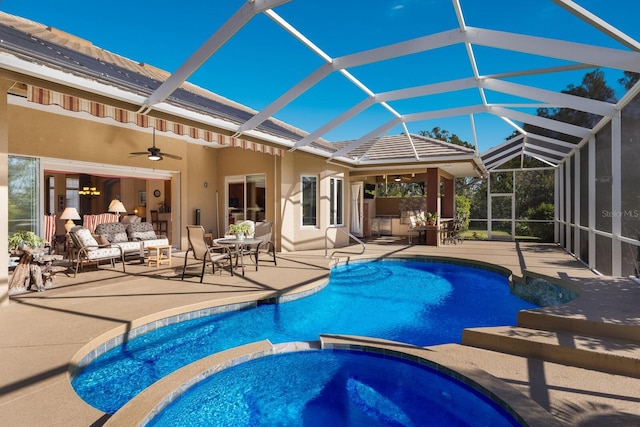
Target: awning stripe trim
pixel 72 103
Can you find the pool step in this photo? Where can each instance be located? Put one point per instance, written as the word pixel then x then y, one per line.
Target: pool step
pixel 546 319
pixel 603 354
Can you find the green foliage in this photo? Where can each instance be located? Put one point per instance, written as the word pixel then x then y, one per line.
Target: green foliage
pixel 593 86
pixel 543 230
pixel 242 227
pixel 28 238
pixel 630 78
pixel 400 189
pixel 463 210
pixel 444 135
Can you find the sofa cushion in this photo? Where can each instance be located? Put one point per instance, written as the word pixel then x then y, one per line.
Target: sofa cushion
pixel 114 232
pixel 143 235
pixel 141 231
pixel 155 242
pixel 102 253
pixel 128 247
pixel 85 238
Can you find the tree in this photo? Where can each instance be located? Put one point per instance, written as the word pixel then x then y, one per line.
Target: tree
pixel 593 86
pixel 630 78
pixel 444 135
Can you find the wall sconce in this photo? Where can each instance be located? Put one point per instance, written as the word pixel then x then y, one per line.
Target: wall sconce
pixel 69 214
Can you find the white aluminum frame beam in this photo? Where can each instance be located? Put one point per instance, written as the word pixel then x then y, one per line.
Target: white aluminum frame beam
pixel 204 52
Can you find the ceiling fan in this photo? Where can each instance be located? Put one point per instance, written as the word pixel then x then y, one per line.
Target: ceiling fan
pixel 400 178
pixel 153 153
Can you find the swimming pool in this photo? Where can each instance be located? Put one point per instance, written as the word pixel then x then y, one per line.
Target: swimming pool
pixel 331 388
pixel 416 302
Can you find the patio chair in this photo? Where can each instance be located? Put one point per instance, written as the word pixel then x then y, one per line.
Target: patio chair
pixel 451 234
pixel 49 231
pixel 263 232
pixel 221 255
pixel 89 251
pixel 415 228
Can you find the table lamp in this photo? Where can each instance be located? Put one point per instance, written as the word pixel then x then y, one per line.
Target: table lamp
pixel 69 214
pixel 117 207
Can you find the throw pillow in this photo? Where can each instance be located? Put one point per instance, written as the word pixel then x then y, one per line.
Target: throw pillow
pixel 102 240
pixel 86 239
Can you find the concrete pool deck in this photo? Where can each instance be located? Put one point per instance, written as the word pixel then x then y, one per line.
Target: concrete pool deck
pixel 42 332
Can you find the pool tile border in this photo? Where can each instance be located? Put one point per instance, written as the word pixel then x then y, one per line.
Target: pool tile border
pixel 108 341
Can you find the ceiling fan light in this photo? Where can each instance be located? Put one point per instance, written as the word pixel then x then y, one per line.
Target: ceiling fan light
pixel 154 157
pixel 397 178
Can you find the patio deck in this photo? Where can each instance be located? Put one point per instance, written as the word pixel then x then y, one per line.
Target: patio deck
pixel 41 332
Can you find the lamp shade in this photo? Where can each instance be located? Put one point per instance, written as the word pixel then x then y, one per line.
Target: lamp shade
pixel 116 206
pixel 69 214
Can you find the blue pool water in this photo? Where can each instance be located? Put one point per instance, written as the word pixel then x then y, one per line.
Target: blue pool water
pixel 417 302
pixel 331 388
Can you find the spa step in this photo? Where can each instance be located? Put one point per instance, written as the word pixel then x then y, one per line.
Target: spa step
pixel 542 319
pixel 586 351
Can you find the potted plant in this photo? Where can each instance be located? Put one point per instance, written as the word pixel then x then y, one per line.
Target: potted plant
pixel 432 218
pixel 21 239
pixel 240 230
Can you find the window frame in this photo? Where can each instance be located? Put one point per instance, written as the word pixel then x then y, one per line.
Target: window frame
pixel 314 199
pixel 336 201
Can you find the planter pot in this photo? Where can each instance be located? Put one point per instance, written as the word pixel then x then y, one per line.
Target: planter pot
pixel 239 236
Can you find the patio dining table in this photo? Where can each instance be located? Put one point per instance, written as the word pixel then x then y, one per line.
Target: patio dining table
pixel 241 247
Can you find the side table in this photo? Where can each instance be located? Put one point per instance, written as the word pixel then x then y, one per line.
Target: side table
pixel 157 255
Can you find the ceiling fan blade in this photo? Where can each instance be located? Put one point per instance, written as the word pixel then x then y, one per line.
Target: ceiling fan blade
pixel 139 153
pixel 171 156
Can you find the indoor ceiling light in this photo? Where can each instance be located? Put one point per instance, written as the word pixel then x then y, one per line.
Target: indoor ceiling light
pixel 154 156
pixel 89 191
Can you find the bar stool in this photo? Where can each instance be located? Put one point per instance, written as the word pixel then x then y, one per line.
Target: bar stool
pixel 160 225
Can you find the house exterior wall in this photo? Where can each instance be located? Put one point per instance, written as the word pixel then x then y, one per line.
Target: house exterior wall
pixel 38 133
pixel 295 237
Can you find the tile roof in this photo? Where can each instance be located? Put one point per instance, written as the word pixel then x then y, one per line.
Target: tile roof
pixel 39 44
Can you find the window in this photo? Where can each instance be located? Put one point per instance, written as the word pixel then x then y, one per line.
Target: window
pixel 72 198
pixel 24 186
pixel 336 196
pixel 246 198
pixel 309 201
pixel 51 195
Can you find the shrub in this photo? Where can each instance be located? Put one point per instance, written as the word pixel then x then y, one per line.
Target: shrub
pixel 543 230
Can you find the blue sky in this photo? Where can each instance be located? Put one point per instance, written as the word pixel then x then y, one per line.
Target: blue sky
pixel 262 61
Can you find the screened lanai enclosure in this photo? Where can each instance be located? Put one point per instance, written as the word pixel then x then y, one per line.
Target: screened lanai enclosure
pixel 497 73
pixel 596 194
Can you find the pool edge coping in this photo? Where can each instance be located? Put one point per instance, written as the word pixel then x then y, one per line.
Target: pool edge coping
pixel 142 408
pixel 111 338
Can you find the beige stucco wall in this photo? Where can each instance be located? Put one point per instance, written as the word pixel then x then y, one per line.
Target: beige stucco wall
pixel 84 139
pixel 44 134
pixel 236 161
pixel 294 236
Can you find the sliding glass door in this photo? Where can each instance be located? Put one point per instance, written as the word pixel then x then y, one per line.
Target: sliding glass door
pixel 246 198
